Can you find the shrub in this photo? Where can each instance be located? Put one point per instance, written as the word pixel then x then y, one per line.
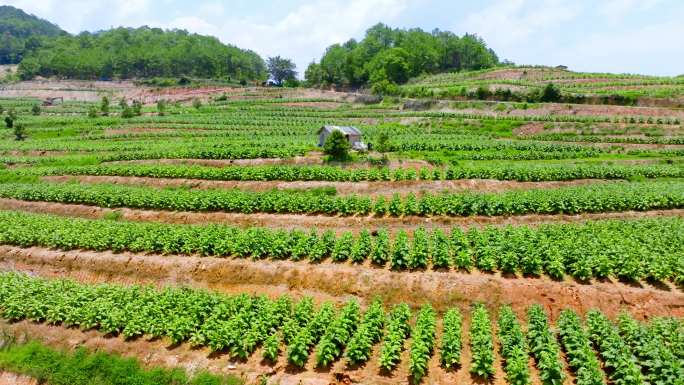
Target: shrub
pixel 104 106
pixel 337 146
pixel 19 132
pixel 196 103
pixel 550 93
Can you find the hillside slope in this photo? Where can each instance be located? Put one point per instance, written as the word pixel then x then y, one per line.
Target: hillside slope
pixel 527 83
pixel 20 32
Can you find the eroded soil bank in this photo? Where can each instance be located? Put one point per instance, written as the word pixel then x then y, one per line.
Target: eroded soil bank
pixel 321 222
pixel 338 282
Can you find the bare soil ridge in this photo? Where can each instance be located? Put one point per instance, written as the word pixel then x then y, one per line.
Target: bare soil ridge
pixel 339 282
pixel 386 189
pixel 321 222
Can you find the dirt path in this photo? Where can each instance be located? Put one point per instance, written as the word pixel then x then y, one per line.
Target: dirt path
pixel 337 282
pixel 321 222
pixel 386 189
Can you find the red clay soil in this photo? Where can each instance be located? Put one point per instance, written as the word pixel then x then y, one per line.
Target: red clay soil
pixel 386 189
pixel 339 281
pixel 321 222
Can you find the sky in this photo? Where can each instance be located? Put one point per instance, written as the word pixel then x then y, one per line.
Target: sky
pixel 622 36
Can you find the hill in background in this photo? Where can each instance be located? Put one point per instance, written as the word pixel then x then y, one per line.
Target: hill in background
pixel 126 53
pixel 21 32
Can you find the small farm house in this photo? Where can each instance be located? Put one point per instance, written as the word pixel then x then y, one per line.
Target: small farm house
pixel 352 134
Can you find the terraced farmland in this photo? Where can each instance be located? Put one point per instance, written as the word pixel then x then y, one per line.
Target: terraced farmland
pixel 476 242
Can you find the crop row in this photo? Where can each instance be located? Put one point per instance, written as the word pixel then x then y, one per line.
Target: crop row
pixel 523 173
pixel 631 250
pixel 605 197
pixel 297 330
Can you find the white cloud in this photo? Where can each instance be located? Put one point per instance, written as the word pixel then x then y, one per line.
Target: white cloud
pixel 652 46
pixel 302 34
pixel 507 23
pixel 305 32
pixel 610 35
pixel 615 10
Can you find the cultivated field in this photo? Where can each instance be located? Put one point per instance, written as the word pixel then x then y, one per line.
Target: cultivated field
pixel 487 242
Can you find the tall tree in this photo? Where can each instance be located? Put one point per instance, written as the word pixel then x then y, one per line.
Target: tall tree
pixel 281 69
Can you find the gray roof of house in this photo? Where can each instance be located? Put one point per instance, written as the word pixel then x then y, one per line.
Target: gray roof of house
pixel 347 130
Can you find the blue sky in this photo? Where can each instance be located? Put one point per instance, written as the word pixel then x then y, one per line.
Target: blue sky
pixel 630 36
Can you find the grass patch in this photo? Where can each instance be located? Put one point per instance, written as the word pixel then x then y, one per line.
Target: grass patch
pixel 82 367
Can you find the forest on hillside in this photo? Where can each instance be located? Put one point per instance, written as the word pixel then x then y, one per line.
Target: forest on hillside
pixel 382 60
pixel 144 52
pixel 386 57
pixel 21 32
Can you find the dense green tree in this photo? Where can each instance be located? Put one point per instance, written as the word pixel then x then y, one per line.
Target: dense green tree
pixel 550 93
pixel 386 57
pixel 141 53
pixel 392 65
pixel 281 69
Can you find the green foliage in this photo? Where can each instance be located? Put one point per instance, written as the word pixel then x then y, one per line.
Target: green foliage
pixel 337 146
pixel 309 335
pixel 337 334
pixel 652 348
pixel 381 248
pixel 126 111
pixel 580 356
pixel 104 105
pixel 513 348
pixel 196 103
pixel 397 330
pixel 22 33
pixel 544 347
pixel 400 251
pixel 166 53
pixel 565 248
pixel 481 343
pixel 239 324
pixel 92 112
pixel 388 56
pixel 137 107
pixel 441 258
pixel 617 356
pixel 550 93
pixel 19 131
pixel 35 110
pixel 367 334
pixel 419 255
pixel 10 118
pixel 423 342
pixel 450 350
pixel 281 70
pixel 82 367
pixel 161 107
